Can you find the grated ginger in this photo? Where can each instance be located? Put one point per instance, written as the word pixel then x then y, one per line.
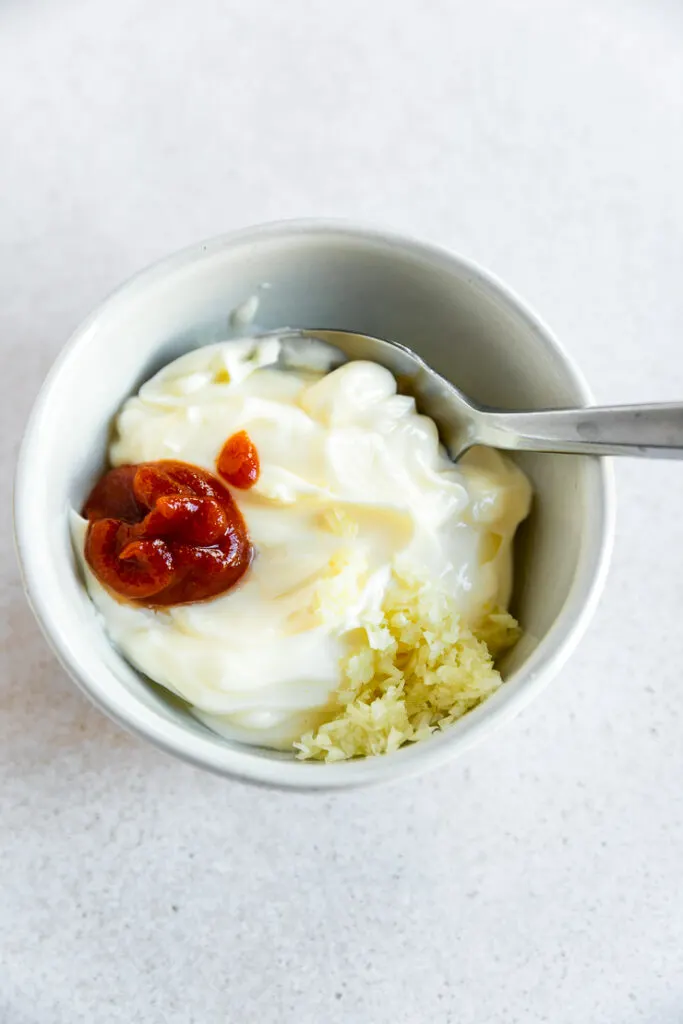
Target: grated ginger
pixel 414 670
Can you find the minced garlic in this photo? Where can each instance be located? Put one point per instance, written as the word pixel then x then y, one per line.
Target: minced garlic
pixel 414 670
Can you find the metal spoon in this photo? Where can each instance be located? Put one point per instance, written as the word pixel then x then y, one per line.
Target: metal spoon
pixel 654 431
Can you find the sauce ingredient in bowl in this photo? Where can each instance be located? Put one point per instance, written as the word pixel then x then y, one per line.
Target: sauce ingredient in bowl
pixel 238 461
pixel 165 533
pixel 375 600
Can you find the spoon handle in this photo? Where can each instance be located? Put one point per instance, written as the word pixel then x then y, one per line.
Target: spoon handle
pixel 648 431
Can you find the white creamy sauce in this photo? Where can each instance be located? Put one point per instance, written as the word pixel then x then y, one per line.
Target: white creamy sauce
pixel 353 481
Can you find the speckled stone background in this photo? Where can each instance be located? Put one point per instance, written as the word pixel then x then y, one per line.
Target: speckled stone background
pixel 539 877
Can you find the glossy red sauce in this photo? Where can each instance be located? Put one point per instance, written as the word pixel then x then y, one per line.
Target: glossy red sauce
pixel 238 462
pixel 163 533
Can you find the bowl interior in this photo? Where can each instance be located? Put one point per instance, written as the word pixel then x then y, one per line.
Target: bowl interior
pixel 305 276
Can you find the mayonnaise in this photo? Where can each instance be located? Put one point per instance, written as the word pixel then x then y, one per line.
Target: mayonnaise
pixel 353 482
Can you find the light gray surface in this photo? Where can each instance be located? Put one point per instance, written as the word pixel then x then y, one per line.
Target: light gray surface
pixel 537 879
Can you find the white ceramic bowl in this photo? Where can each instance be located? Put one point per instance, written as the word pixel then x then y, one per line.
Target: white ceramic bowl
pixel 321 275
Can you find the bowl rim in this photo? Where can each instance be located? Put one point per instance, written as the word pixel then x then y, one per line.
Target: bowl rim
pixel 249 764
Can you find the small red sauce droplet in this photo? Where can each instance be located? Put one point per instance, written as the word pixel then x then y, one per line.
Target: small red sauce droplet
pixel 238 462
pixel 164 533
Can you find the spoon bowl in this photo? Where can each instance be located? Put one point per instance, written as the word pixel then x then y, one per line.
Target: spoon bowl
pixel 455 415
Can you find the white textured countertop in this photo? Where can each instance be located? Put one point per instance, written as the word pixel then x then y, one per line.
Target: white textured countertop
pixel 539 877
